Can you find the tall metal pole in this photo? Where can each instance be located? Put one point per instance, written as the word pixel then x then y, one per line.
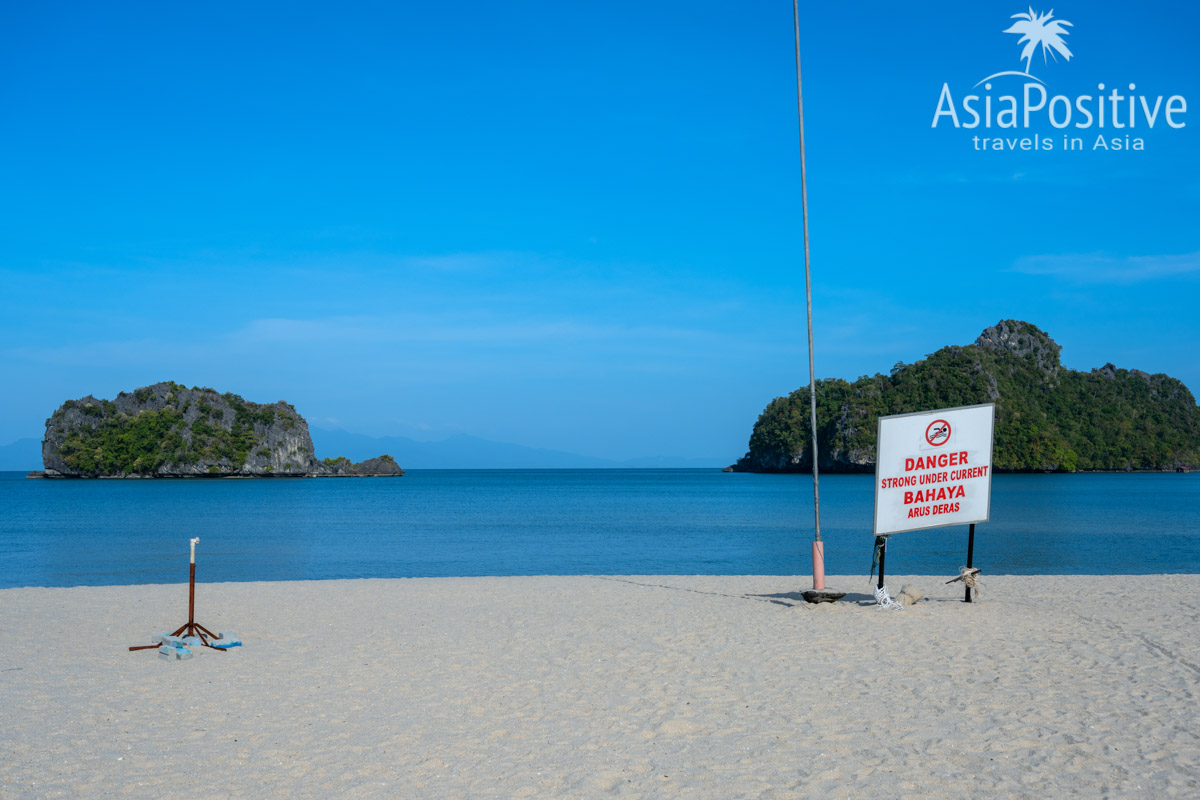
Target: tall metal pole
pixel 818 546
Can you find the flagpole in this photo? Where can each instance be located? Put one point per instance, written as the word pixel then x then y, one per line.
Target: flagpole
pixel 818 547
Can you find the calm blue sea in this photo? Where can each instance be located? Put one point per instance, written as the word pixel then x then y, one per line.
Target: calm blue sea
pixel 515 522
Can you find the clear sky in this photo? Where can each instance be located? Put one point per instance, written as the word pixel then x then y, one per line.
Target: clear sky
pixel 569 225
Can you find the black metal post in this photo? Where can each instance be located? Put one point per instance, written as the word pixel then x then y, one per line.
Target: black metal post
pixel 882 555
pixel 970 557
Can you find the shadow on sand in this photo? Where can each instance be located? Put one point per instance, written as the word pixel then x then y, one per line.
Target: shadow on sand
pixel 795 598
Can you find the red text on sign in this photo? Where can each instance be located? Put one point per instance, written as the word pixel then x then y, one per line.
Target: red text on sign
pixel 925 511
pixel 932 495
pixel 931 462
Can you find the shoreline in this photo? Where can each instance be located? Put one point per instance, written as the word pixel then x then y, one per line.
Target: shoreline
pixel 624 686
pixel 860 583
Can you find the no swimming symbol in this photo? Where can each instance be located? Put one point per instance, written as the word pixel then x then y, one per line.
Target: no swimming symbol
pixel 938 432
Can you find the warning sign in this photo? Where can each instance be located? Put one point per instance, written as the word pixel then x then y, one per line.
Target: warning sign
pixel 934 468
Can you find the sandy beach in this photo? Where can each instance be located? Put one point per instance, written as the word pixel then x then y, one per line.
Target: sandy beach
pixel 607 686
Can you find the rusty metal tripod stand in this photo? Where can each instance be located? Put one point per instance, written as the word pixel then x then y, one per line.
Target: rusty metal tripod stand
pixel 191 627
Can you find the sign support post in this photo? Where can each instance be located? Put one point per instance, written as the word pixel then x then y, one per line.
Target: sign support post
pixel 882 558
pixel 970 557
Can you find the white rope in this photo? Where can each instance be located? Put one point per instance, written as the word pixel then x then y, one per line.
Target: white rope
pixel 969 576
pixel 885 600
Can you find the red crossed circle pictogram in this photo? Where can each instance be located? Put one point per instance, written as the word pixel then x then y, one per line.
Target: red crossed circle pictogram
pixel 938 432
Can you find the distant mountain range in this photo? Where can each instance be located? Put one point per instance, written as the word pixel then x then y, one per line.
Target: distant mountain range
pixel 471 452
pixel 22 455
pixel 457 452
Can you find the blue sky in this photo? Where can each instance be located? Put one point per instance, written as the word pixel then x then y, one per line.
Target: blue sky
pixel 565 225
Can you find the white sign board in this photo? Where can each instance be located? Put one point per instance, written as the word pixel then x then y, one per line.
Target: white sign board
pixel 934 468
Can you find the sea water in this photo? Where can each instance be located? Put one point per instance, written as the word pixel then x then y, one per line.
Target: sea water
pixel 436 523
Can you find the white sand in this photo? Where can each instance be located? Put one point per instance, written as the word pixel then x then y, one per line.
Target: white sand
pixel 698 687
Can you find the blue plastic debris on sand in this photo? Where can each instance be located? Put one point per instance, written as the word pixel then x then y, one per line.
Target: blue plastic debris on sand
pixel 174 653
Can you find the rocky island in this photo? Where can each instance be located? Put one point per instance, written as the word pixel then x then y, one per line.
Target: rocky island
pixel 1048 418
pixel 169 431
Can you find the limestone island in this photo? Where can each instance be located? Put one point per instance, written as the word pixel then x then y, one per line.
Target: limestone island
pixel 169 431
pixel 1048 418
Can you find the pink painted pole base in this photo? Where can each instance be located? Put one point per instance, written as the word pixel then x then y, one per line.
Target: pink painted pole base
pixel 818 565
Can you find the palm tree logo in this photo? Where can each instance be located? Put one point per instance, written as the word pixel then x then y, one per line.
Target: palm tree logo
pixel 1038 29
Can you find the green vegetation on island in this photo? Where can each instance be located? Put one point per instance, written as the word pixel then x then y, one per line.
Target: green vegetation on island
pixel 140 444
pixel 1048 418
